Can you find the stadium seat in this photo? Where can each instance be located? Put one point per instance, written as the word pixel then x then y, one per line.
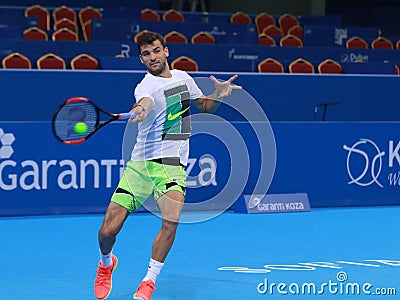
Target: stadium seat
pixel 266 40
pixel 175 37
pixel 16 60
pixel 329 66
pixel 84 62
pixel 137 35
pixel 173 15
pixel 297 31
pixel 50 61
pixel 381 43
pixel 272 30
pixel 64 34
pixel 64 12
pixel 301 65
pixel 148 14
pixel 290 41
pixel 396 70
pixel 357 43
pixel 42 14
pixel 184 63
pixel 240 18
pixel 87 30
pixel 89 13
pixel 270 65
pixel 35 33
pixel 398 45
pixel 287 21
pixel 263 20
pixel 66 23
pixel 202 37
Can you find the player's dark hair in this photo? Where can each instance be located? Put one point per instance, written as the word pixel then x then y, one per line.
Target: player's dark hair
pixel 148 37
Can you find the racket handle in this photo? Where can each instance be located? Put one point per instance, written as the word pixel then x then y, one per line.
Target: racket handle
pixel 126 116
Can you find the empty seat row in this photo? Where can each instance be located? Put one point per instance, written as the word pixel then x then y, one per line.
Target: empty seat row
pixel 378 43
pixel 64 17
pixel 50 61
pixel 327 66
pixel 62 34
pixel 262 20
pixel 299 65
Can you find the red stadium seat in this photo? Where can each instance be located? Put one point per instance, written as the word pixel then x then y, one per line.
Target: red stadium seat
pixel 286 22
pixel 240 18
pixel 202 37
pixel 396 70
pixel 270 65
pixel 66 23
pixel 185 63
pixel 148 14
pixel 357 43
pixel 64 34
pixel 381 43
pixel 16 61
pixel 64 12
pixel 84 62
pixel 272 30
pixel 301 65
pixel 266 40
pixel 42 15
pixel 89 13
pixel 35 33
pixel 263 20
pixel 175 37
pixel 173 15
pixel 297 31
pixel 290 41
pixel 50 61
pixel 329 66
pixel 137 35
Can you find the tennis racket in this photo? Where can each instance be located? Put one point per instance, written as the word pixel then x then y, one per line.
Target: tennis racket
pixel 81 113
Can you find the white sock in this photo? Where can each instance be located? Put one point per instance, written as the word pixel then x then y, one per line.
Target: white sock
pixel 154 270
pixel 106 259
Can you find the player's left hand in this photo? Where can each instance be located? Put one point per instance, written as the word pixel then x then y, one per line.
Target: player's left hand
pixel 224 88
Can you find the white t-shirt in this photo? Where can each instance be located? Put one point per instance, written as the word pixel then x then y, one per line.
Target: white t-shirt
pixel 166 130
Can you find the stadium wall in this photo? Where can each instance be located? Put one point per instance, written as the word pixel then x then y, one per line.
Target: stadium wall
pixel 352 159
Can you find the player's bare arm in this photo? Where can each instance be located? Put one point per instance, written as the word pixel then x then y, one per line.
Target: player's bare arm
pixel 222 89
pixel 142 109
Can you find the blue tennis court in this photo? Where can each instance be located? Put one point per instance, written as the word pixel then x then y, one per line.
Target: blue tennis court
pixel 346 253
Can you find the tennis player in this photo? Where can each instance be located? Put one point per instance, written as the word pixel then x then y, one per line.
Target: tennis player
pixel 158 159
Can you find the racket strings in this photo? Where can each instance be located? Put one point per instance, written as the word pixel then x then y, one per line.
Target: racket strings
pixel 72 113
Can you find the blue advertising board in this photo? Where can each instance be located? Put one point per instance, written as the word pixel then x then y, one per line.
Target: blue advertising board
pixel 335 164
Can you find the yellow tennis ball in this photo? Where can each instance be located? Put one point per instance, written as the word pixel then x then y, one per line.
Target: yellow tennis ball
pixel 80 128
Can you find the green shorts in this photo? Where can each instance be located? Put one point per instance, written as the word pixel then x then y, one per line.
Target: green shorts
pixel 143 178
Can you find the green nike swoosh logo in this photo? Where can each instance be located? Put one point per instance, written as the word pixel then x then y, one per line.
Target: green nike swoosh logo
pixel 171 117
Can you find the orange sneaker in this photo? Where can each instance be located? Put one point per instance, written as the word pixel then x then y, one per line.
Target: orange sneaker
pixel 145 290
pixel 103 282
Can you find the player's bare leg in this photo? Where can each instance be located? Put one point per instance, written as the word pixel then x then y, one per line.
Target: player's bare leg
pixel 112 224
pixel 171 205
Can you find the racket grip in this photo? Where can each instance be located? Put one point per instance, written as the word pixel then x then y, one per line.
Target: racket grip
pixel 126 116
